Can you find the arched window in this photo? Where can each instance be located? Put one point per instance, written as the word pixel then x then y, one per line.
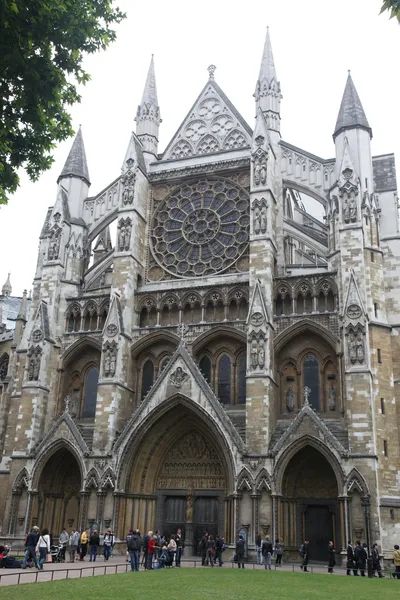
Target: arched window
pixel 205 368
pixel 147 377
pixel 143 322
pixel 311 379
pixel 242 379
pixel 224 379
pixel 89 401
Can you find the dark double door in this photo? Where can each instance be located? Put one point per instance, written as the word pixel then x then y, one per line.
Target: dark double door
pixel 205 517
pixel 318 530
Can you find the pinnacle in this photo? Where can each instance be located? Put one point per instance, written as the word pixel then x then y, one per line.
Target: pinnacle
pixel 150 88
pixel 267 68
pixel 351 113
pixel 7 288
pixel 76 164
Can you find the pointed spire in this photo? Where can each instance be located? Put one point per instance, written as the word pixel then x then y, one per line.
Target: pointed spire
pixel 76 164
pixel 351 113
pixel 268 90
pixel 7 288
pixel 148 114
pixel 23 307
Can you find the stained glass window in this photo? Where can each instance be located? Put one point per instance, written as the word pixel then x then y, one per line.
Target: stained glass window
pixel 147 377
pixel 224 379
pixel 89 401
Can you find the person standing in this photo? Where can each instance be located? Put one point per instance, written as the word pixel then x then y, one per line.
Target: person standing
pixel 133 543
pixel 279 550
pixel 84 543
pixel 240 552
pixel 145 546
pixel 210 550
pixel 331 557
pixel 360 557
pixel 94 543
pixel 108 542
pixel 376 560
pixel 266 551
pixel 179 547
pixel 63 539
pixel 73 544
pixel 396 560
pixel 203 546
pixel 30 547
pixel 350 565
pixel 219 548
pixel 151 548
pixel 258 547
pixel 171 550
pixel 304 550
pixel 43 546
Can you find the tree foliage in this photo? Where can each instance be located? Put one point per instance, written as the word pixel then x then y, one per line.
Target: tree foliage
pixel 393 6
pixel 42 46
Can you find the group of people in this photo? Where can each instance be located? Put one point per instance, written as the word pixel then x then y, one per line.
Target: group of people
pixel 266 550
pixel 154 550
pixel 39 548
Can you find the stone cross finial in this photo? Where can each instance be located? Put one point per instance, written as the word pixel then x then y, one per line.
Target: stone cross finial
pixel 67 401
pixel 211 71
pixel 306 392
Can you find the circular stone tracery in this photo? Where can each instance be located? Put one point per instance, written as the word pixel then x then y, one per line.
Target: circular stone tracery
pixel 201 228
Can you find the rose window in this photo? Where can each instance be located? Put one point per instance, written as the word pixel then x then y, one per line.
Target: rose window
pixel 201 228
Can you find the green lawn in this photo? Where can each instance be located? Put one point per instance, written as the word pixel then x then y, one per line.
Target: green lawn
pixel 202 584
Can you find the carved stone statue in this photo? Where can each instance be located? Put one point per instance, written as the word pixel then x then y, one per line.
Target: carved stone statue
pixel 290 399
pixel 121 237
pixel 254 355
pixel 346 211
pixel 178 377
pixel 263 224
pixel 35 357
pixel 107 363
pixel 257 221
pixel 54 245
pixel 352 345
pixel 352 209
pixel 110 358
pixel 124 234
pixel 257 170
pixel 263 170
pixel 261 354
pixel 332 398
pixel 360 348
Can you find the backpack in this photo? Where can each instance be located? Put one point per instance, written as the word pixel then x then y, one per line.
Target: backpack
pixel 133 543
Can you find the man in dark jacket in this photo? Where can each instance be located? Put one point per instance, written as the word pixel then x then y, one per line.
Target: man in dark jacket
pixel 376 560
pixel 94 543
pixel 203 547
pixel 219 548
pixel 331 557
pixel 304 555
pixel 350 560
pixel 30 547
pixel 267 550
pixel 240 548
pixel 360 557
pixel 179 547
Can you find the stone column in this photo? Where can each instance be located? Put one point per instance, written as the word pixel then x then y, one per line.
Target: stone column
pixel 83 510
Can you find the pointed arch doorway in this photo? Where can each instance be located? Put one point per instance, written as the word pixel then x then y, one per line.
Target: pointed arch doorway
pixel 310 508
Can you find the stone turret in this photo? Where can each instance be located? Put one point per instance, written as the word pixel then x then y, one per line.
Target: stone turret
pixel 268 91
pixel 7 289
pixel 148 117
pixel 74 178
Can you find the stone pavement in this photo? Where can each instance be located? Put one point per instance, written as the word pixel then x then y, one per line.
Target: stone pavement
pixel 117 564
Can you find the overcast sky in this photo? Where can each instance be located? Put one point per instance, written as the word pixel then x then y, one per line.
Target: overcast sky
pixel 314 42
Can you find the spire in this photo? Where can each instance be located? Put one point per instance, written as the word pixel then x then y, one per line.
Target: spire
pixel 23 307
pixel 7 289
pixel 351 113
pixel 76 164
pixel 148 114
pixel 268 90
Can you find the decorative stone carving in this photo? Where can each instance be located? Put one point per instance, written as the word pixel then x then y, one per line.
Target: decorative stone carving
pixel 260 169
pixel 257 319
pixel 257 351
pixel 354 311
pixel 128 180
pixel 332 397
pixel 360 348
pixel 356 347
pixel 306 392
pixel 54 243
pixel 178 377
pixel 290 399
pixel 37 336
pixel 111 330
pixel 34 360
pixel 110 358
pixel 261 354
pixel 260 216
pixel 254 354
pixel 124 234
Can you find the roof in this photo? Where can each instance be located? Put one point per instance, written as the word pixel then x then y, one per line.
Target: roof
pixel 76 164
pixel 351 112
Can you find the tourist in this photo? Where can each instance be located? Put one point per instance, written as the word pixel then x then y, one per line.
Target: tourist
pixel 279 550
pixel 145 545
pixel 43 546
pixel 63 539
pixel 133 543
pixel 151 548
pixel 108 542
pixel 360 558
pixel 266 551
pixel 258 547
pixel 210 551
pixel 219 548
pixel 30 547
pixel 73 544
pixel 350 565
pixel 94 543
pixel 240 552
pixel 203 547
pixel 163 557
pixel 376 561
pixel 396 560
pixel 171 549
pixel 84 543
pixel 179 547
pixel 304 550
pixel 331 557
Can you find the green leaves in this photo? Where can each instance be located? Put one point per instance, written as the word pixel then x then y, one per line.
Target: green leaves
pixel 42 45
pixel 393 6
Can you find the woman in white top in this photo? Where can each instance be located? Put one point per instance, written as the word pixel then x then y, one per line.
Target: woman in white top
pixel 43 546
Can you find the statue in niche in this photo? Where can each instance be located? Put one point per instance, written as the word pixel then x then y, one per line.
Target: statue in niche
pixel 290 399
pixel 360 348
pixel 261 354
pixel 35 356
pixel 346 210
pixel 107 363
pixel 254 355
pixel 352 345
pixel 257 170
pixel 352 208
pixel 263 169
pixel 263 220
pixel 257 221
pixel 124 234
pixel 110 359
pixel 54 245
pixel 332 398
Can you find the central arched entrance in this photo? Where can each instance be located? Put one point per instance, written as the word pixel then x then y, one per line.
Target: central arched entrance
pixel 309 508
pixel 179 478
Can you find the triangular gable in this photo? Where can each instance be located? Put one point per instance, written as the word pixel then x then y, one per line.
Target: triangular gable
pixel 347 171
pixel 182 375
pixel 213 124
pixel 307 422
pixel 258 313
pixel 353 307
pixel 114 323
pixel 41 327
pixel 63 428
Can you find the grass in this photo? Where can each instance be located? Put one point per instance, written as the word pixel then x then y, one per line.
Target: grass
pixel 202 584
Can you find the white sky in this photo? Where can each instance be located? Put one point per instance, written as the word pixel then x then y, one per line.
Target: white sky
pixel 314 42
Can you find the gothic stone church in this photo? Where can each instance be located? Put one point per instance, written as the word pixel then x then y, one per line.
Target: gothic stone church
pixel 229 358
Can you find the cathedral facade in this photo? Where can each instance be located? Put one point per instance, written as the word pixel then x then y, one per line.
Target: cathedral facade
pixel 227 360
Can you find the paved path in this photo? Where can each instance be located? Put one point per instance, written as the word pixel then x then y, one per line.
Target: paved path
pixel 117 564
